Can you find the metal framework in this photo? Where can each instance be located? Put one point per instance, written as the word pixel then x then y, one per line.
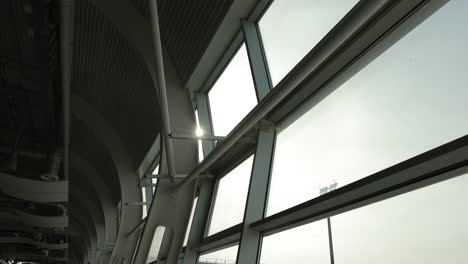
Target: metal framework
pixel 365 32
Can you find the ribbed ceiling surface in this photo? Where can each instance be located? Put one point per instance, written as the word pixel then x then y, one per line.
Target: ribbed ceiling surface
pixel 110 75
pixel 85 144
pixel 187 28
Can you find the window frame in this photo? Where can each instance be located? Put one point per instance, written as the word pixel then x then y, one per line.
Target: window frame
pixel 365 184
pixel 366 31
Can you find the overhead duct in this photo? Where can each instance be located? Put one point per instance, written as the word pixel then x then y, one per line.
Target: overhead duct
pixel 54 168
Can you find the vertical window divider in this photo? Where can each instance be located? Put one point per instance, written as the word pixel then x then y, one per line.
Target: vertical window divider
pixel 257 59
pixel 330 241
pixel 202 209
pixel 249 245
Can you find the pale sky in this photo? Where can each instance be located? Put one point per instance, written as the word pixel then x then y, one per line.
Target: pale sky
pixel 410 99
pixel 233 95
pixel 231 198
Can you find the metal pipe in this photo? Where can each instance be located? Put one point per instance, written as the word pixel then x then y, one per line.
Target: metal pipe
pixel 66 49
pixel 308 66
pixel 161 82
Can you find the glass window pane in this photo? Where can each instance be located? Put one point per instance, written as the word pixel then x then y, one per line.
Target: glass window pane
pixel 291 28
pixel 190 221
pixel 199 132
pixel 424 226
pixel 143 199
pixel 409 100
pixel 231 197
pixel 223 256
pixel 301 245
pixel 233 95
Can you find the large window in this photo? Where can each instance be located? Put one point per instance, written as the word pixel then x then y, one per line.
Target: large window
pixel 291 28
pixel 231 196
pixel 424 226
pixel 233 95
pixel 223 256
pixel 410 99
pixel 302 245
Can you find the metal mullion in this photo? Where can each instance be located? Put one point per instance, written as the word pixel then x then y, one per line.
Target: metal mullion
pixel 200 216
pixel 258 64
pixel 330 241
pixel 204 118
pixel 249 246
pixel 202 209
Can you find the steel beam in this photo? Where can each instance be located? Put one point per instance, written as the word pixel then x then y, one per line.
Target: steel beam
pixel 202 209
pixel 249 246
pixel 162 93
pixel 257 198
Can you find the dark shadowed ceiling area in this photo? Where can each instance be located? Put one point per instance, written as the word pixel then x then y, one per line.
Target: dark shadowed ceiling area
pixel 187 27
pixel 47 215
pixel 33 214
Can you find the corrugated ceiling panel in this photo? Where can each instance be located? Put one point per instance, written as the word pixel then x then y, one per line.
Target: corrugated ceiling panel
pixel 84 143
pixel 110 75
pixel 187 28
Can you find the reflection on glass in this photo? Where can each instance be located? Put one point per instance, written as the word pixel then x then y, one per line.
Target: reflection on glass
pixel 187 232
pixel 233 95
pixel 424 226
pixel 301 245
pixel 231 197
pixel 291 28
pixel 410 99
pixel 199 132
pixel 223 256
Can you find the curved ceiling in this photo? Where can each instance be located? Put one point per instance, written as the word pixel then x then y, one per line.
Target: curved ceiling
pixel 109 77
pixel 187 28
